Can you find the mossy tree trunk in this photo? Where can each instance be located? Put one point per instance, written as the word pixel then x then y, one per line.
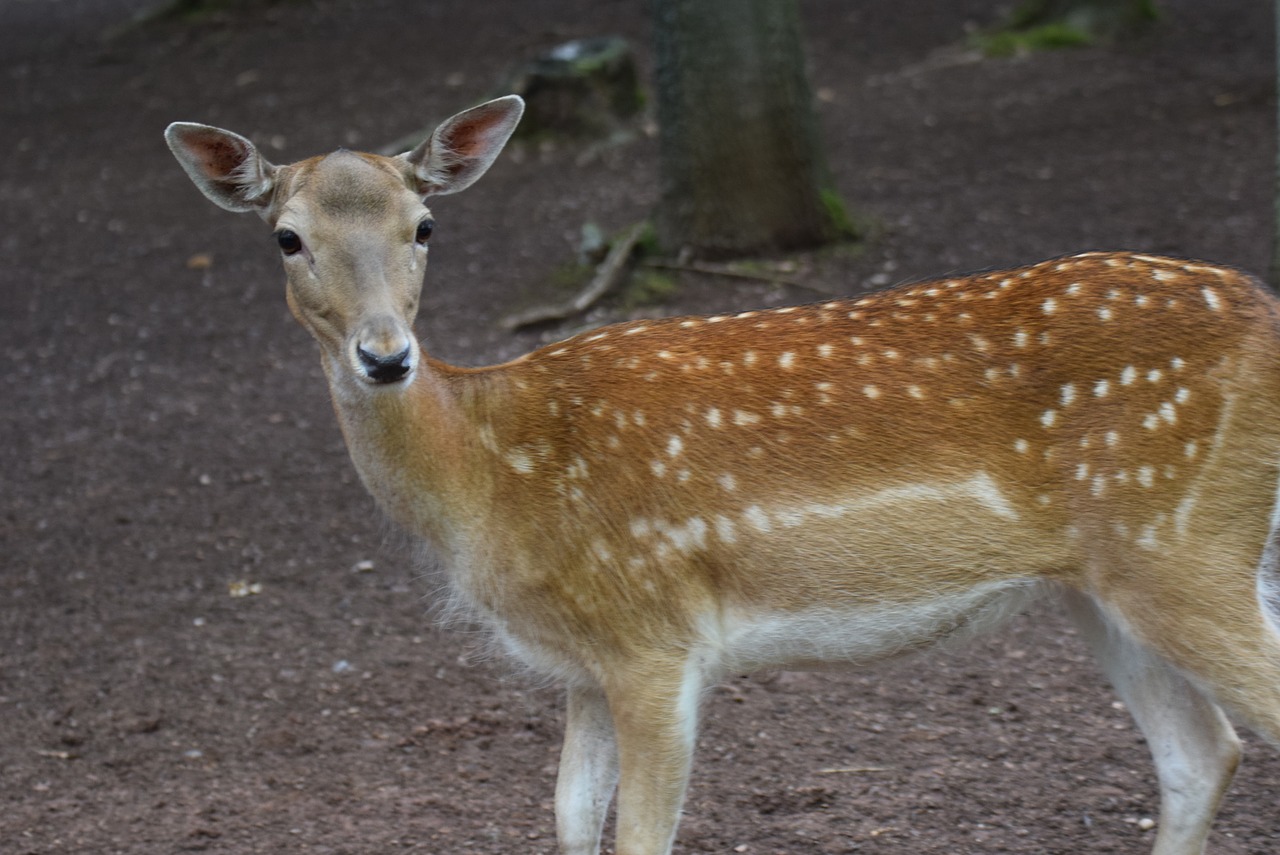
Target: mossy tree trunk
pixel 743 169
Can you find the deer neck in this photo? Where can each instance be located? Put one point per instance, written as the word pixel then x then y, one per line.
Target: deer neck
pixel 413 449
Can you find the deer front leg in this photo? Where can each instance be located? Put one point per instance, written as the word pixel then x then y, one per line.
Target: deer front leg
pixel 588 771
pixel 655 718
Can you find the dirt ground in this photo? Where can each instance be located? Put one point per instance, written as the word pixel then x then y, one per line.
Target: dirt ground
pixel 167 440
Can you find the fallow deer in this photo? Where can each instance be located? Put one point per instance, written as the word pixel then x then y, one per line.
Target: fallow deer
pixel 643 508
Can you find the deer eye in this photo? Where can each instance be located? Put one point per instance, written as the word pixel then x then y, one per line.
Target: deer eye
pixel 289 241
pixel 425 228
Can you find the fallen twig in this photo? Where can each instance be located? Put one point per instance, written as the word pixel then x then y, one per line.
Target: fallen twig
pixel 717 270
pixel 607 275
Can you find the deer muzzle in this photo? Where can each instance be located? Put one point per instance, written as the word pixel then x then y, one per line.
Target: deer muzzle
pixel 384 352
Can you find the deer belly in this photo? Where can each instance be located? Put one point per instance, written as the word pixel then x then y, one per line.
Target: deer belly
pixel 745 640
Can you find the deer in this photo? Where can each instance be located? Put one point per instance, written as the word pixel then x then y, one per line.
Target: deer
pixel 644 508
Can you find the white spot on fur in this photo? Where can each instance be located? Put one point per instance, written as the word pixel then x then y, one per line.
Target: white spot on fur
pixel 1021 446
pixel 714 418
pixel 742 418
pixel 728 482
pixel 725 530
pixel 825 351
pixel 1146 476
pixel 757 519
pixel 872 392
pixel 659 468
pixel 675 445
pixel 1168 413
pixel 1148 538
pixel 689 537
pixel 1112 439
pixel 1049 418
pixel 1182 514
pixel 1128 375
pixel 1104 313
pixel 1154 375
pixel 1151 422
pixel 520 461
pixel 1101 388
pixel 985 489
pixel 1049 306
pixel 1212 299
pixel 787 360
pixel 1020 339
pixel 1068 394
pixel 789 517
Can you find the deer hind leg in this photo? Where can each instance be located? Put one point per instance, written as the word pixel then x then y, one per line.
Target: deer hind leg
pixel 588 772
pixel 1194 747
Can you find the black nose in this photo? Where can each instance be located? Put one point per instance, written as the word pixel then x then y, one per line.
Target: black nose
pixel 384 369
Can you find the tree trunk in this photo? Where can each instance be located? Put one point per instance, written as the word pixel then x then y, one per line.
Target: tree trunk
pixel 743 170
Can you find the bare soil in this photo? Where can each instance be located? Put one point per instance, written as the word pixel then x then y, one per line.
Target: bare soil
pixel 167 441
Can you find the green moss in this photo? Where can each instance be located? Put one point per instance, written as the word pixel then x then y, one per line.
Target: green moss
pixel 1053 36
pixel 1036 25
pixel 838 216
pixel 647 245
pixel 648 288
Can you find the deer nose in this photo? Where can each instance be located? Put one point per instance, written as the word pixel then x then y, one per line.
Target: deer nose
pixel 384 369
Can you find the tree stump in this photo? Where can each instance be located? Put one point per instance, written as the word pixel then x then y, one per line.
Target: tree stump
pixel 584 88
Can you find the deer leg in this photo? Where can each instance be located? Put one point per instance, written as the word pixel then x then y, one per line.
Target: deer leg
pixel 1194 747
pixel 656 717
pixel 588 771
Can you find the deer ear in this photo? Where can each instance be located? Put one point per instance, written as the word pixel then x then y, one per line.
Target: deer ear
pixel 225 166
pixel 463 147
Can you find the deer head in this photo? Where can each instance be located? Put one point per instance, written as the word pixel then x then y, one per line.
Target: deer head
pixel 353 228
